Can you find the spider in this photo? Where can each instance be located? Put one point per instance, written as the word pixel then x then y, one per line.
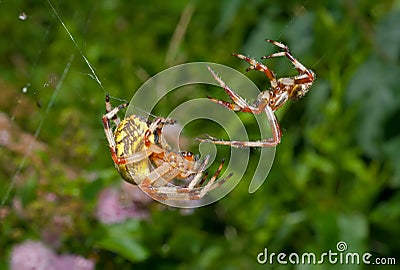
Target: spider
pixel 280 91
pixel 142 157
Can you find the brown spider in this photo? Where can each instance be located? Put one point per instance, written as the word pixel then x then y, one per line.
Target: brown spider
pixel 142 157
pixel 275 97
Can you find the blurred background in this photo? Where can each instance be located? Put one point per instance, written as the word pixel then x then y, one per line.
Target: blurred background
pixel 336 174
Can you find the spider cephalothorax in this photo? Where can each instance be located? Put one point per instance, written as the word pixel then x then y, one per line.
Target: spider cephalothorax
pixel 142 157
pixel 281 90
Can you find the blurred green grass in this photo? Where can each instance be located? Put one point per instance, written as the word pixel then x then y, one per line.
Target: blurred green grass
pixel 336 174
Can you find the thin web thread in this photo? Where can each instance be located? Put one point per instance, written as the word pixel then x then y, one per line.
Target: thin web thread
pixel 39 128
pixel 93 75
pixel 303 6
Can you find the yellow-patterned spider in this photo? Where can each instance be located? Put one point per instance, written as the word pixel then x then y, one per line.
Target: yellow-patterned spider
pixel 142 157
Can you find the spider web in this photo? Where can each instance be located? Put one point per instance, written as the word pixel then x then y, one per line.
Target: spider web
pixel 29 83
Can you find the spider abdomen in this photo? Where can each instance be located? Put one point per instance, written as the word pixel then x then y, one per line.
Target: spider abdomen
pixel 129 139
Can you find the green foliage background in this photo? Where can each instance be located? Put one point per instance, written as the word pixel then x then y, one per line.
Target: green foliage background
pixel 336 174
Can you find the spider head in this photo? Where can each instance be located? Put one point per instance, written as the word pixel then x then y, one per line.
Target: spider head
pixel 188 155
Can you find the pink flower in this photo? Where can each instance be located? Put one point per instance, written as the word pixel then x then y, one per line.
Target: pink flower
pixel 111 210
pixel 32 255
pixel 73 262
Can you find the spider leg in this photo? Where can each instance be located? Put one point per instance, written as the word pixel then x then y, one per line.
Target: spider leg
pixel 211 184
pixel 173 193
pixel 176 193
pixel 139 156
pixel 239 104
pixel 254 65
pixel 157 184
pixel 306 75
pixel 111 113
pixel 203 179
pixel 159 122
pixel 270 142
pixel 160 176
pixel 109 108
pixel 198 177
pixel 156 125
pixel 195 182
pixel 136 157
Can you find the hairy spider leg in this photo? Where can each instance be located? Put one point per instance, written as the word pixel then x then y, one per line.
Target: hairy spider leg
pixel 255 65
pixel 212 184
pixel 305 75
pixel 156 125
pixel 197 180
pixel 173 192
pixel 241 105
pixel 270 142
pixel 111 114
pixel 109 108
